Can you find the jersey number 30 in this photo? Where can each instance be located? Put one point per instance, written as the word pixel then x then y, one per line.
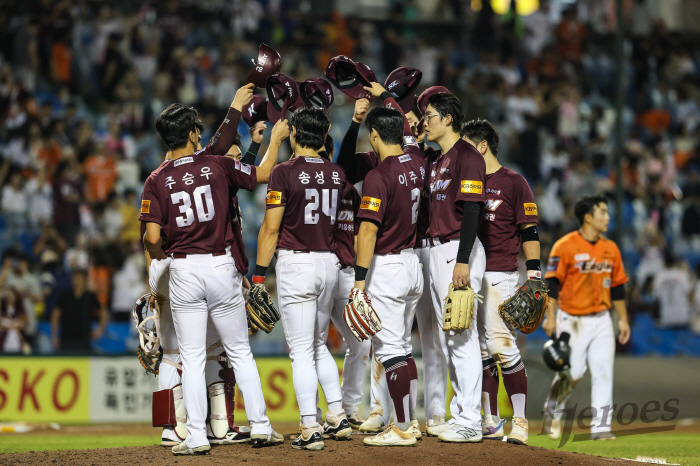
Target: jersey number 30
pixel 201 195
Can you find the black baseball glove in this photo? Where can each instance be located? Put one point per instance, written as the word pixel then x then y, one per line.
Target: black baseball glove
pixel 261 312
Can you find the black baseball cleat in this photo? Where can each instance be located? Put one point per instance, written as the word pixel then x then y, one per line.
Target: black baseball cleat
pixel 337 427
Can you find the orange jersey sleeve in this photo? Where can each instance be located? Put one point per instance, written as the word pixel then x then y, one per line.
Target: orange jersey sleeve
pixel 558 258
pixel 619 277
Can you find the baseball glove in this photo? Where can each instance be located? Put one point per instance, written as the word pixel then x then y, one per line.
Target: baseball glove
pixel 261 312
pixel 525 309
pixel 458 312
pixel 360 316
pixel 150 362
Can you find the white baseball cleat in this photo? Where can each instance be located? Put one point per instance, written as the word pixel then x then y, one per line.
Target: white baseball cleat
pixel 337 426
pixel 435 425
pixel 492 427
pixel 168 438
pixel 555 430
pixel 519 432
pixel 603 436
pixel 374 423
pixel 392 437
pixel 239 434
pixel 311 438
pixel 355 420
pixel 460 434
pixel 273 438
pixel 183 449
pixel 415 429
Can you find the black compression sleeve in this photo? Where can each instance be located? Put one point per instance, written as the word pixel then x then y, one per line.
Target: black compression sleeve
pixel 346 153
pixel 553 285
pixel 618 293
pixel 467 234
pixel 251 153
pixel 529 234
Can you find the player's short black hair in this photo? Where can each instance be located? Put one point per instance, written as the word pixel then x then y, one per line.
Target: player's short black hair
pixel 311 125
pixel 585 206
pixel 175 123
pixel 329 148
pixel 481 130
pixel 448 104
pixel 388 122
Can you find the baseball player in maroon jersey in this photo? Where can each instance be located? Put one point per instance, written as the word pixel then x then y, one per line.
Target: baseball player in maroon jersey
pixel 434 366
pixel 184 199
pixel 357 352
pixel 387 266
pixel 510 219
pixel 457 257
pixel 302 207
pixel 169 378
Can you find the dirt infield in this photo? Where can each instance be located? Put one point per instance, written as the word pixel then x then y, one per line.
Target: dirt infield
pixel 350 452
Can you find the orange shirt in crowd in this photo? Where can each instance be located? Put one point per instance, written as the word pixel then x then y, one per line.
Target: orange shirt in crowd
pixel 586 273
pixel 101 173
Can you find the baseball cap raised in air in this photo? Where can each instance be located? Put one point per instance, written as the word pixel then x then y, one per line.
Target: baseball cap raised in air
pixel 350 76
pixel 402 83
pixel 255 111
pixel 315 92
pixel 269 62
pixel 282 94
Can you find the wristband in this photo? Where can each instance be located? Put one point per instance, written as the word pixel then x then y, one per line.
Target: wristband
pixel 260 270
pixel 260 279
pixel 533 269
pixel 360 273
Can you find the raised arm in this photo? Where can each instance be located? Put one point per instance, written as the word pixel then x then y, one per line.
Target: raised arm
pixel 280 132
pixel 256 133
pixel 224 136
pixel 348 147
pixel 378 90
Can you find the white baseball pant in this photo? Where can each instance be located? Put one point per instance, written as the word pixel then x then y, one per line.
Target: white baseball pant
pixel 497 338
pixel 394 285
pixel 592 345
pixel 434 363
pixel 461 348
pixel 357 354
pixel 202 285
pixel 380 399
pixel 306 286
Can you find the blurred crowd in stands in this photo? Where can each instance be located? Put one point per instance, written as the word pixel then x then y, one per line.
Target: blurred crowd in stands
pixel 81 83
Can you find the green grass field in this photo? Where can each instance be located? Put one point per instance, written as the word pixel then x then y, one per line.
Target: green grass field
pixel 681 448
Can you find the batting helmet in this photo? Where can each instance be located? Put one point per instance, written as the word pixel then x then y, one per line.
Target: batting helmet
pixel 402 83
pixel 350 76
pixel 556 353
pixel 255 111
pixel 282 94
pixel 269 62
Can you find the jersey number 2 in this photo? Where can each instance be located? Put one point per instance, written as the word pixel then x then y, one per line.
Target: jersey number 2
pixel 202 194
pixel 415 197
pixel 327 199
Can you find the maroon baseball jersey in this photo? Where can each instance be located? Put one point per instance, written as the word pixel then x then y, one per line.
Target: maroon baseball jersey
pixel 345 230
pixel 391 197
pixel 424 211
pixel 509 203
pixel 150 178
pixel 190 199
pixel 238 247
pixel 455 177
pixel 310 189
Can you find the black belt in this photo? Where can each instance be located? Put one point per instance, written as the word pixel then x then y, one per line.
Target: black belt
pixel 180 255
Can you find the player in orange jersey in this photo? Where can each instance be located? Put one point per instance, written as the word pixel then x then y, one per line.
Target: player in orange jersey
pixel 586 279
